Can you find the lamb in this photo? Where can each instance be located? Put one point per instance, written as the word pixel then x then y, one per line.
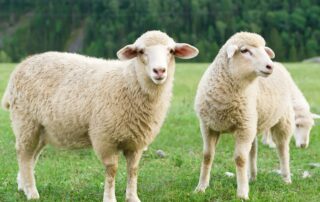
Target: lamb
pixel 244 93
pixel 73 101
pixel 304 120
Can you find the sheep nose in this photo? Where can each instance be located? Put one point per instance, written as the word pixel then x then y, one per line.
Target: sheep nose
pixel 159 71
pixel 269 67
pixel 303 145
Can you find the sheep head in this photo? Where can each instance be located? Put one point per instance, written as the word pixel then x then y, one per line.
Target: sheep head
pixel 303 128
pixel 248 56
pixel 156 51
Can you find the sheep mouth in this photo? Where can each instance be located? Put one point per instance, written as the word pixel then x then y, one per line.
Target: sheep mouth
pixel 159 78
pixel 263 73
pixel 302 146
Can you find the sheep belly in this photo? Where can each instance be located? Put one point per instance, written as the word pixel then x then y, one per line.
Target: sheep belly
pixel 66 137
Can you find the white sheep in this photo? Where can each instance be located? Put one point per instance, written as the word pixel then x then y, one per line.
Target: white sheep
pixel 73 101
pixel 304 119
pixel 234 96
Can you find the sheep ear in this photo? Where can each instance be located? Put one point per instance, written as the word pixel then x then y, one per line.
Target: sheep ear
pixel 269 52
pixel 127 52
pixel 231 49
pixel 315 116
pixel 185 51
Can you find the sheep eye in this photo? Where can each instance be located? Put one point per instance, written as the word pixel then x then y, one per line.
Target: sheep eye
pixel 141 52
pixel 297 125
pixel 244 50
pixel 171 51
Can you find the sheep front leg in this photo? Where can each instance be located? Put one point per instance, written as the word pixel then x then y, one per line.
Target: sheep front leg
pixel 111 164
pixel 210 140
pixel 253 160
pixel 133 158
pixel 244 139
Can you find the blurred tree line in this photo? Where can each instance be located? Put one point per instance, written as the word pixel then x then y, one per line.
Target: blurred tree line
pixel 290 27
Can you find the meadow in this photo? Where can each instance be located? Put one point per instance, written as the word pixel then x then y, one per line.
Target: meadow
pixel 79 176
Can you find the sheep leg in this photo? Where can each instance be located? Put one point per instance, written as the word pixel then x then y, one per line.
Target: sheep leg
pixel 27 142
pixel 35 158
pixel 111 163
pixel 108 153
pixel 253 160
pixel 281 134
pixel 244 139
pixel 267 139
pixel 38 150
pixel 210 139
pixel 26 179
pixel 133 158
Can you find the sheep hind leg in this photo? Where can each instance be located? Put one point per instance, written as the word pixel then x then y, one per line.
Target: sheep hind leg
pixel 267 139
pixel 35 158
pixel 27 143
pixel 210 140
pixel 26 178
pixel 133 158
pixel 281 135
pixel 253 160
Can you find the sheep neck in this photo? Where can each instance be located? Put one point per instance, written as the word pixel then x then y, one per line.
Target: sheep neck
pixel 236 83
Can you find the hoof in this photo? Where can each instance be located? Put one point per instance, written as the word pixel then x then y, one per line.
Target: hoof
pixel 33 195
pixel 287 180
pixel 109 199
pixel 243 193
pixel 20 186
pixel 252 178
pixel 243 196
pixel 132 199
pixel 201 188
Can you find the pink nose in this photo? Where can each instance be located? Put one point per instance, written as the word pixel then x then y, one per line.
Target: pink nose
pixel 159 71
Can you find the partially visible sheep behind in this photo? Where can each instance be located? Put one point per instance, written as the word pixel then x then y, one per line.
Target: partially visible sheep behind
pixel 304 119
pixel 244 93
pixel 73 101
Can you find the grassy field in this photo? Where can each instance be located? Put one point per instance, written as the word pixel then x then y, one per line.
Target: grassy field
pixel 79 176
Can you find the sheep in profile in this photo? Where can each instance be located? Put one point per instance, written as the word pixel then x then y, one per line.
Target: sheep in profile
pixel 243 93
pixel 304 119
pixel 73 101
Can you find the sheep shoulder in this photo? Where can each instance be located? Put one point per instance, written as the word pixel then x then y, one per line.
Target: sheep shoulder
pixel 220 103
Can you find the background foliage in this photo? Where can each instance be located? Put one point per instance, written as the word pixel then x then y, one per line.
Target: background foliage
pixel 101 27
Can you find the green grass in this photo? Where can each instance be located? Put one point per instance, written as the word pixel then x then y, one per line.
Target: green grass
pixel 79 176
